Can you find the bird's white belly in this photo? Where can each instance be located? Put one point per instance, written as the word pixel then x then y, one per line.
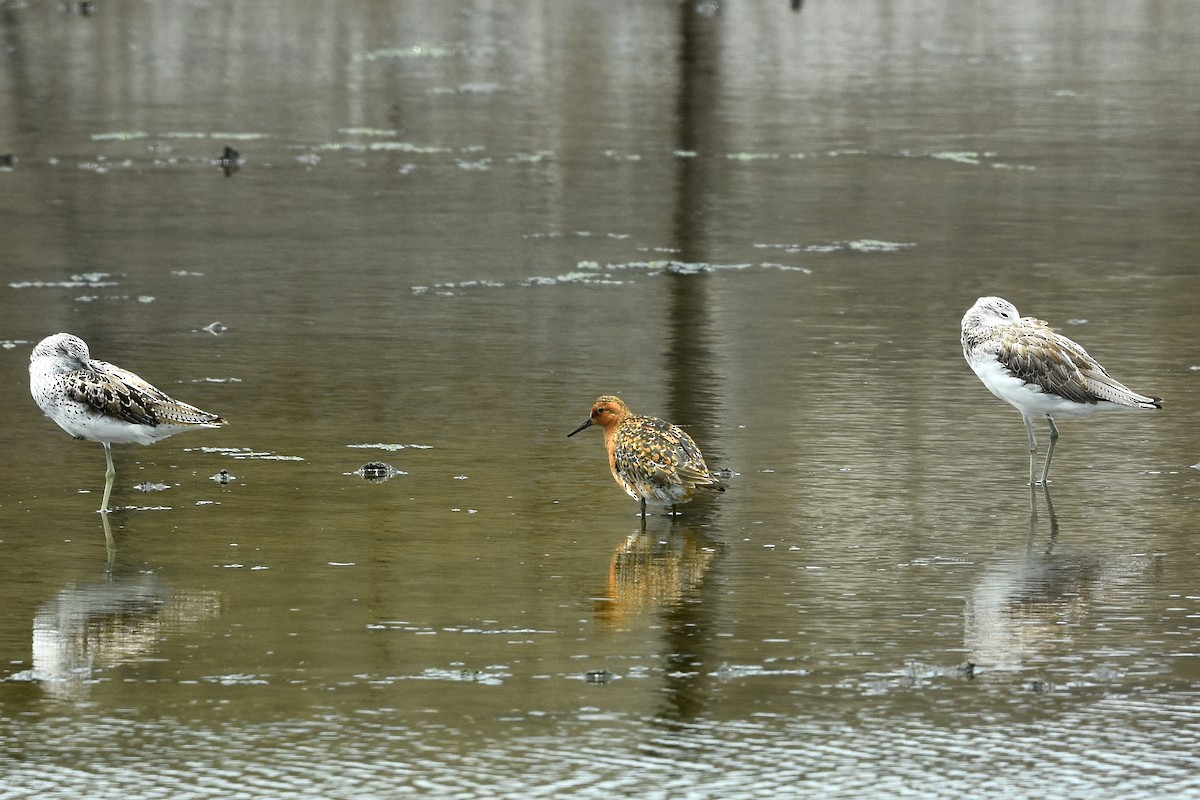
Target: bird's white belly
pixel 86 423
pixel 1031 399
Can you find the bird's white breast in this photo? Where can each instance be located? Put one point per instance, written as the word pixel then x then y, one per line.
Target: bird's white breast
pixel 1028 398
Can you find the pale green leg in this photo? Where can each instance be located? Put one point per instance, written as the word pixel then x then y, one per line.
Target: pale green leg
pixel 110 547
pixel 108 477
pixel 1032 447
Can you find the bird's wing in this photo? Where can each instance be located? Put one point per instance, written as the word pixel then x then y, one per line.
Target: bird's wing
pixel 690 463
pixel 649 451
pixel 1036 354
pixel 116 392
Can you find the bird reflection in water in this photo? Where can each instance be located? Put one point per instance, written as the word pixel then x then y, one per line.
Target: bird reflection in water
pixel 1028 610
pixel 90 627
pixel 1033 516
pixel 651 571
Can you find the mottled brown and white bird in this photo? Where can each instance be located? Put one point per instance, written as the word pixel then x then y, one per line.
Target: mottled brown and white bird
pixel 95 400
pixel 1039 372
pixel 652 460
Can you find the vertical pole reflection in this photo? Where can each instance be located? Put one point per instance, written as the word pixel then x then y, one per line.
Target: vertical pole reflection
pixel 692 380
pixel 693 385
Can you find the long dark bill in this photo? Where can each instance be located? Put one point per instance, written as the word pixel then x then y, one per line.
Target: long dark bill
pixel 587 423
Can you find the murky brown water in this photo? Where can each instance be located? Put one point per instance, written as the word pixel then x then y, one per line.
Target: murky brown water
pixel 456 224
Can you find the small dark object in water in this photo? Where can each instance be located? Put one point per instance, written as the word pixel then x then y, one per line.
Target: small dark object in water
pixel 598 676
pixel 375 468
pixel 223 477
pixel 87 9
pixel 7 160
pixel 797 5
pixel 230 161
pixel 377 471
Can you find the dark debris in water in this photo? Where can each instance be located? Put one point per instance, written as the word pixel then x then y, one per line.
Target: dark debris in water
pixel 230 161
pixel 222 477
pixel 599 676
pixel 377 472
pixel 150 486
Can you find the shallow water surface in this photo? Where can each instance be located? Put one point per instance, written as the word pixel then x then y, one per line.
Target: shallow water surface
pixel 449 230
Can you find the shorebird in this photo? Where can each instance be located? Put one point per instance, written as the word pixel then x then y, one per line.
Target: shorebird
pixel 649 458
pixel 95 400
pixel 1041 373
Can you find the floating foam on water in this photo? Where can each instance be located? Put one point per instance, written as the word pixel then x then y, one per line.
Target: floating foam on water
pixel 531 158
pixel 752 156
pixel 390 447
pixel 368 131
pixel 877 246
pixel 595 273
pixel 242 453
pixel 481 165
pixel 478 87
pixel 973 158
pixel 86 279
pixel 414 51
pixel 119 136
pixel 409 147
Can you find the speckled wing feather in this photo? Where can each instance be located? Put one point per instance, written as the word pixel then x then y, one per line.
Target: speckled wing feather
pixel 644 451
pixel 660 454
pixel 1036 354
pixel 691 466
pixel 1033 352
pixel 122 394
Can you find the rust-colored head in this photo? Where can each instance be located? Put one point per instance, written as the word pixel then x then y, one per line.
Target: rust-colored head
pixel 607 411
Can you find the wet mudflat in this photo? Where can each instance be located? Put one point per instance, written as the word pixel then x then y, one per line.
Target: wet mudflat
pixel 447 231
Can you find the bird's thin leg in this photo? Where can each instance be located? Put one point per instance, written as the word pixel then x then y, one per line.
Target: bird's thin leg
pixel 643 504
pixel 1032 446
pixel 1053 520
pixel 1049 451
pixel 108 477
pixel 110 546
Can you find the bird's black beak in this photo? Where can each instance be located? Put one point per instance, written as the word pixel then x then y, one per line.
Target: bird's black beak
pixel 587 423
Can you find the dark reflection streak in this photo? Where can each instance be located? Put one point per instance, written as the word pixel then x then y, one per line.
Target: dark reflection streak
pixel 693 385
pixel 689 625
pixel 15 52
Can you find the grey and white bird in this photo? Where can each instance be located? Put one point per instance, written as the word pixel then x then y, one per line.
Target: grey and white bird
pixel 94 400
pixel 1039 372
